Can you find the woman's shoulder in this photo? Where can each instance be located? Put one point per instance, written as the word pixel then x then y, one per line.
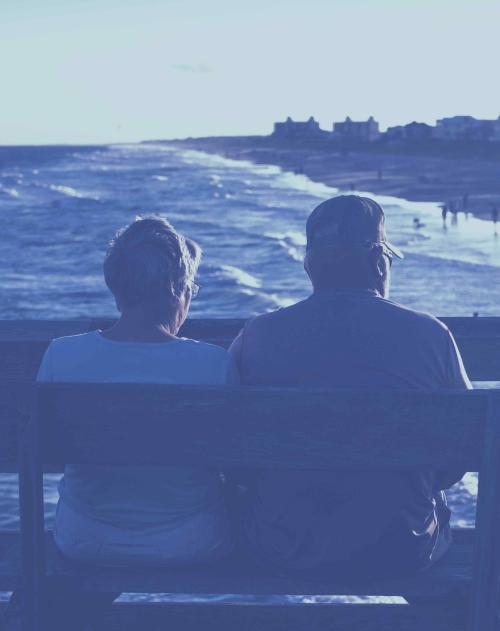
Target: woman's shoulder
pixel 73 342
pixel 201 349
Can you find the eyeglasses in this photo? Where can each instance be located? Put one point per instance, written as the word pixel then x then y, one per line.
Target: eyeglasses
pixel 195 290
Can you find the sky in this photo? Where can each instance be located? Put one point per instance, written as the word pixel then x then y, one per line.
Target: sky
pixel 98 71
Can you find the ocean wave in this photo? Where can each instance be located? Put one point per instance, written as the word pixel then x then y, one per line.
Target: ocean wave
pixel 300 182
pixel 240 276
pixel 273 300
pixel 160 178
pixel 72 192
pixel 11 192
pixel 292 241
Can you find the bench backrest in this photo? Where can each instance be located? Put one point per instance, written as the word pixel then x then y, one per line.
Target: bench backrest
pixel 263 428
pixel 259 427
pixel 22 343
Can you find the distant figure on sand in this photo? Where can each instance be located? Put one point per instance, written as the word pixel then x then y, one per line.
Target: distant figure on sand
pixel 348 334
pixel 452 206
pixel 444 213
pixel 417 223
pixel 494 215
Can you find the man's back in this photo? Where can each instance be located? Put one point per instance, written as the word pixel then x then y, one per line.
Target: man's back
pixel 345 339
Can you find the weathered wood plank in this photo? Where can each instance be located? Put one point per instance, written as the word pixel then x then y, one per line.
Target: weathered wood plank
pixel 22 343
pixel 270 617
pixel 15 409
pixel 486 586
pixel 275 428
pixel 453 573
pixel 296 617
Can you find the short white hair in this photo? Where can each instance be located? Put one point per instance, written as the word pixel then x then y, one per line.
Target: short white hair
pixel 149 261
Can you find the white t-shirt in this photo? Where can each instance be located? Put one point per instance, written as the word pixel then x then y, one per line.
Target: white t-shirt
pixel 116 515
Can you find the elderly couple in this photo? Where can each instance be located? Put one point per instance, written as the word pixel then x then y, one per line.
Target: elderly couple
pixel 346 334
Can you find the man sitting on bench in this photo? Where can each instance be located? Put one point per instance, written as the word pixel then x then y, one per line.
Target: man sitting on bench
pixel 347 334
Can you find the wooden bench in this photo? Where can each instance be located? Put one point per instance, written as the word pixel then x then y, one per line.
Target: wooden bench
pixel 255 428
pixel 267 428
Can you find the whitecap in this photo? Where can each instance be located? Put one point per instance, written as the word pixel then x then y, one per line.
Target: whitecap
pixel 160 178
pixel 72 192
pixel 240 276
pixel 293 236
pixel 12 192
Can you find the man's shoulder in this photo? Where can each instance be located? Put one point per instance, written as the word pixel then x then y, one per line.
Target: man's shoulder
pixel 413 319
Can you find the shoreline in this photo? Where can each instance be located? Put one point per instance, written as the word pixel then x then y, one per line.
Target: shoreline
pixel 415 178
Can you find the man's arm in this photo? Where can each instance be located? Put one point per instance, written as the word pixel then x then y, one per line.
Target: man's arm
pixel 456 379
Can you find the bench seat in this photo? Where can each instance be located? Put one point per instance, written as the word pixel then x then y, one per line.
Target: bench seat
pixel 452 574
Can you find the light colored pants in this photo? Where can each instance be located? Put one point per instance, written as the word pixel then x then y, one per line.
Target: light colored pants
pixel 202 538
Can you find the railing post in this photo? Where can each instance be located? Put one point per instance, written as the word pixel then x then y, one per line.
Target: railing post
pixel 32 521
pixel 486 579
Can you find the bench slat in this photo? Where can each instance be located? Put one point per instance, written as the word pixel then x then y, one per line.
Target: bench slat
pixel 268 617
pixel 295 617
pixel 260 427
pixel 452 573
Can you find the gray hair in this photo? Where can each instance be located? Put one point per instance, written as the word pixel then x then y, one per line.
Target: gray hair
pixel 150 262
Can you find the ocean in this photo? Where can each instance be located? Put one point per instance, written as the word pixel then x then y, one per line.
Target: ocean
pixel 61 205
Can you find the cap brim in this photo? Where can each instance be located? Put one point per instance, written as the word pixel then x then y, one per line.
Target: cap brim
pixel 394 250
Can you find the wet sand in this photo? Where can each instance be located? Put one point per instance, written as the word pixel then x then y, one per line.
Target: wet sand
pixel 430 178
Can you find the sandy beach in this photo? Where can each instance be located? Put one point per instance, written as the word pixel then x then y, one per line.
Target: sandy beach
pixel 417 177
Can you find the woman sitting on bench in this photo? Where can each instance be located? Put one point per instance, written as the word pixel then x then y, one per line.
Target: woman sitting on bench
pixel 142 515
pixel 137 515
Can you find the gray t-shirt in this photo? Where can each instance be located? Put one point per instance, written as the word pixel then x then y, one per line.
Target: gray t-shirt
pixel 346 339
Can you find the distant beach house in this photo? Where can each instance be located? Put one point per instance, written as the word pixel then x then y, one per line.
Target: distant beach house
pixel 366 131
pixel 291 129
pixel 413 131
pixel 467 128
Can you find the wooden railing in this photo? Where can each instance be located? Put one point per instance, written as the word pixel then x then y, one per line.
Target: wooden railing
pixel 23 342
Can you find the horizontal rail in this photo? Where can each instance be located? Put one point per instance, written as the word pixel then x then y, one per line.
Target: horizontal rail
pixel 23 342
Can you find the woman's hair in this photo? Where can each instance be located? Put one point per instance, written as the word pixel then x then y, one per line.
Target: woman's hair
pixel 150 262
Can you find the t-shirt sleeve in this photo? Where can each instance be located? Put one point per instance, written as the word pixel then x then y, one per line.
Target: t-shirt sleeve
pixel 45 371
pixel 456 375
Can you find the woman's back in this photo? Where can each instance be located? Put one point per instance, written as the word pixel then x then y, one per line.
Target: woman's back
pixel 114 514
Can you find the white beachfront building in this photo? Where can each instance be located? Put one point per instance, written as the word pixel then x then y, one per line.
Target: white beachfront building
pixel 291 129
pixel 366 131
pixel 467 128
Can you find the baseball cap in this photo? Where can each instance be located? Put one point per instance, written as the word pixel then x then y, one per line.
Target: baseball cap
pixel 348 219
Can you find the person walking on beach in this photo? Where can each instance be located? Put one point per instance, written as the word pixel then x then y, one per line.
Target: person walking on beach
pixel 348 334
pixel 452 206
pixel 494 216
pixel 444 213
